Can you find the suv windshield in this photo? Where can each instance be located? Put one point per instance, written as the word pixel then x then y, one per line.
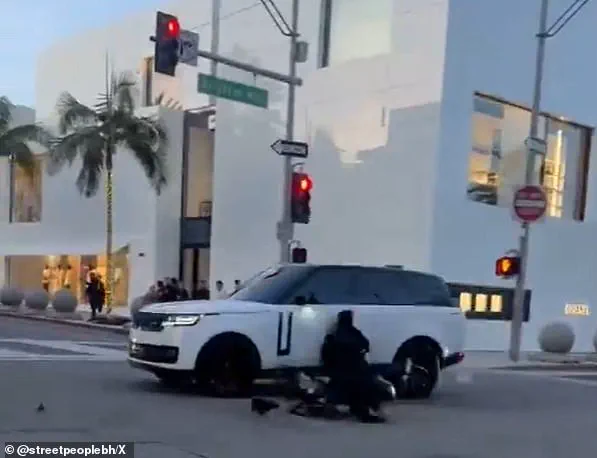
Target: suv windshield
pixel 269 285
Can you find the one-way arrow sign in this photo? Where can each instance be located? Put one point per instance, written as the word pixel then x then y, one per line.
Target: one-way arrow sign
pixel 189 45
pixel 290 148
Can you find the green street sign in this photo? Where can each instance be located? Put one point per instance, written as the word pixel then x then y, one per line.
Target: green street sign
pixel 232 90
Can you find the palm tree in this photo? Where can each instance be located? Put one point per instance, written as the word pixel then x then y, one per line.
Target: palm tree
pixel 14 141
pixel 94 133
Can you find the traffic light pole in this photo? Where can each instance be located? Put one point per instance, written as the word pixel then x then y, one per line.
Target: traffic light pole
pixel 519 292
pixel 286 226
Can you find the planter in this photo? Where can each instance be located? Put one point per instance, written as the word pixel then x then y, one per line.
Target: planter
pixel 556 338
pixel 64 301
pixel 11 296
pixel 37 300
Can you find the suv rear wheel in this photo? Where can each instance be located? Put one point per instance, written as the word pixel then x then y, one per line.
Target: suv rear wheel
pixel 417 372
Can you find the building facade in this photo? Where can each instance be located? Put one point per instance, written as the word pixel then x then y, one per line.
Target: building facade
pixel 416 113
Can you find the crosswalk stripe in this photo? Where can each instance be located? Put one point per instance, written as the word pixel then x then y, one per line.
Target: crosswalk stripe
pixel 80 351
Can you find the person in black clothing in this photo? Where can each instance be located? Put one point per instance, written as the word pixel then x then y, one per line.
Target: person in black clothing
pixel 202 293
pixel 96 295
pixel 351 379
pixel 161 291
pixel 172 290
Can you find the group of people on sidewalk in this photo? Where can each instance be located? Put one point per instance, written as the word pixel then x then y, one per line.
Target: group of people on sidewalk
pixel 171 290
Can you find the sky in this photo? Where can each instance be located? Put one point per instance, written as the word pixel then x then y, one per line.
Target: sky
pixel 30 26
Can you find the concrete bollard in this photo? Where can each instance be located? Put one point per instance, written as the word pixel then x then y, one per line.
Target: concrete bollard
pixel 557 337
pixel 37 300
pixel 64 301
pixel 11 296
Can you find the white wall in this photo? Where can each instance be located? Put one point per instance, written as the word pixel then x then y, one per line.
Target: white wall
pixel 491 48
pixel 369 123
pixel 20 115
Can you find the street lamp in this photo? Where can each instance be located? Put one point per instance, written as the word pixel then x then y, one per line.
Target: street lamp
pixel 543 34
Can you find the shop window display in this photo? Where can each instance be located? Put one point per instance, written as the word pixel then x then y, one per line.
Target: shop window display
pixel 53 273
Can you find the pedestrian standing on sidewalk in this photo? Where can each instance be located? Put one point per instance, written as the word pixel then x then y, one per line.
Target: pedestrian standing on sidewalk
pixel 96 295
pixel 220 291
pixel 202 293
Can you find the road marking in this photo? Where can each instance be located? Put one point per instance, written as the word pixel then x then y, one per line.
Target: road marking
pixel 83 351
pixel 558 376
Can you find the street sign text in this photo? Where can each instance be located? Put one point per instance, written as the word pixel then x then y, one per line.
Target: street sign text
pixel 189 45
pixel 232 90
pixel 290 148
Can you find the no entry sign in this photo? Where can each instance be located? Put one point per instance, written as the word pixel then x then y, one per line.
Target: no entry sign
pixel 530 203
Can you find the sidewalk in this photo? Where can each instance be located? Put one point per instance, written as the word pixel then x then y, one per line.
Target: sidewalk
pixel 529 361
pixel 117 321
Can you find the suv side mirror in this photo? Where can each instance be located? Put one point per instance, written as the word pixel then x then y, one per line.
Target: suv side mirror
pixel 300 300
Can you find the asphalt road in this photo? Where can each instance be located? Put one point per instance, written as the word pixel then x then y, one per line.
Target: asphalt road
pixel 96 396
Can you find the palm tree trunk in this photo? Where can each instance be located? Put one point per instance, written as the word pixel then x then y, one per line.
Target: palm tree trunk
pixel 109 230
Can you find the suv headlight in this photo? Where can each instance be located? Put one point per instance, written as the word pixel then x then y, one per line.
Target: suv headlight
pixel 182 320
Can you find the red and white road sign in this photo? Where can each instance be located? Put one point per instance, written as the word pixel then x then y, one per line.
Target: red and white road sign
pixel 530 203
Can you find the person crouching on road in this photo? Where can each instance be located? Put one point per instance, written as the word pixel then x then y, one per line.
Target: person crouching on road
pixel 96 295
pixel 351 378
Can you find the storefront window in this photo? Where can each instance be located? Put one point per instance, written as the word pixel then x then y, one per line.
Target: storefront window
pixel 53 273
pixel 498 157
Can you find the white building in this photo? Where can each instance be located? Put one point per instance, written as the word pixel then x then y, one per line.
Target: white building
pixel 414 112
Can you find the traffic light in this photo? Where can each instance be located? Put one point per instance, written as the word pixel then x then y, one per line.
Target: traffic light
pixel 507 266
pixel 301 198
pixel 299 255
pixel 167 44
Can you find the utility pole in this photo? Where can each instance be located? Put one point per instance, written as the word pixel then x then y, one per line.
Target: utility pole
pixel 216 6
pixel 519 291
pixel 286 226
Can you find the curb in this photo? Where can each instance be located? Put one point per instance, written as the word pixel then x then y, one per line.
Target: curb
pixel 81 324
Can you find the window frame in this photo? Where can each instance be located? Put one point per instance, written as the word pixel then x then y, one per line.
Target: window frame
pixel 291 294
pixel 507 295
pixel 414 273
pixel 582 178
pixel 325 29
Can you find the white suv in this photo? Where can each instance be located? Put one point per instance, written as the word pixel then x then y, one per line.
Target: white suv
pixel 276 323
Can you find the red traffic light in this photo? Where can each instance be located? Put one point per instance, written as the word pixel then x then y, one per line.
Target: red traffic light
pixel 305 183
pixel 173 28
pixel 302 182
pixel 507 266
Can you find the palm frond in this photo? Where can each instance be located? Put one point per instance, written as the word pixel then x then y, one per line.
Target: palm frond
pixel 73 114
pixel 124 91
pixel 6 108
pixel 147 140
pixel 89 178
pixel 16 141
pixel 35 133
pixel 81 142
pixel 160 98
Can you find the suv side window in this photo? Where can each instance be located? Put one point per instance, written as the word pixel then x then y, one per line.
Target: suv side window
pixel 394 287
pixel 333 285
pixel 429 289
pixel 381 287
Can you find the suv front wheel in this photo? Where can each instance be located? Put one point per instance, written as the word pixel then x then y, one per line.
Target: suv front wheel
pixel 226 368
